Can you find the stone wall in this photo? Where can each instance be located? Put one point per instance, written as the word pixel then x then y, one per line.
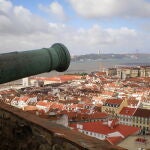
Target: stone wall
pixel 22 131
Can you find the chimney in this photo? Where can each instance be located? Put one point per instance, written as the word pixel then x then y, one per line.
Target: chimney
pixel 79 126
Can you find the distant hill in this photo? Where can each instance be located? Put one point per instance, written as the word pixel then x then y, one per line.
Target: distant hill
pixel 110 56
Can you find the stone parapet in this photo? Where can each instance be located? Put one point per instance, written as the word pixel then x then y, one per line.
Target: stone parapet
pixel 23 131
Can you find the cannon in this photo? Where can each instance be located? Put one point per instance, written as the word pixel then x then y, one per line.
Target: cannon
pixel 17 65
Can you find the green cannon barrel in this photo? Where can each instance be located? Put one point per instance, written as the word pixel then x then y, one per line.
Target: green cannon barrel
pixel 17 65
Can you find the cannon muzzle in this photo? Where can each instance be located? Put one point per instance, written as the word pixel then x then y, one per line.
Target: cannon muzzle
pixel 17 65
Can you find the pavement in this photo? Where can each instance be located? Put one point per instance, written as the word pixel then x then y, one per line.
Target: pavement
pixel 131 144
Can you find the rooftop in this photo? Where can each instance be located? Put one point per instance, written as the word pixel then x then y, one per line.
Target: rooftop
pixel 79 140
pixel 127 111
pixel 142 113
pixel 103 128
pixel 114 101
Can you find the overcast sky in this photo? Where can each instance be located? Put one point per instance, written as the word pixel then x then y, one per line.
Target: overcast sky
pixel 84 26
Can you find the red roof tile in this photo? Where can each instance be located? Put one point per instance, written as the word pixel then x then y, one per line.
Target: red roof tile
pixel 100 127
pixel 97 115
pixel 127 111
pixel 114 101
pixel 42 103
pixel 62 78
pixel 100 73
pixel 110 93
pixel 114 140
pixel 142 113
pixel 23 98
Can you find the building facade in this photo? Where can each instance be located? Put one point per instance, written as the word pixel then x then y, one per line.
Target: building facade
pixel 124 72
pixel 114 106
pixel 141 118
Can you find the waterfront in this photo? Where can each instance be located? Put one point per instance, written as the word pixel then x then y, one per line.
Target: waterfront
pixel 89 66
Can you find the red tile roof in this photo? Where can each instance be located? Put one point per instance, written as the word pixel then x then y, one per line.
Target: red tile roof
pixel 114 85
pixel 62 78
pixel 100 73
pixel 127 111
pixel 55 105
pixel 23 98
pixel 84 115
pixel 114 101
pixel 42 103
pixel 110 93
pixel 72 115
pixel 142 113
pixel 98 115
pixel 132 102
pixel 100 127
pixel 114 140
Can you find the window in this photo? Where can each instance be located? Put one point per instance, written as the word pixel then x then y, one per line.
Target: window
pixel 140 120
pixel 147 128
pixel 143 120
pixel 137 120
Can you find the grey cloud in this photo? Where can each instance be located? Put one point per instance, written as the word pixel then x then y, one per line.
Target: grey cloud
pixel 111 8
pixel 22 30
pixel 19 20
pixel 54 10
